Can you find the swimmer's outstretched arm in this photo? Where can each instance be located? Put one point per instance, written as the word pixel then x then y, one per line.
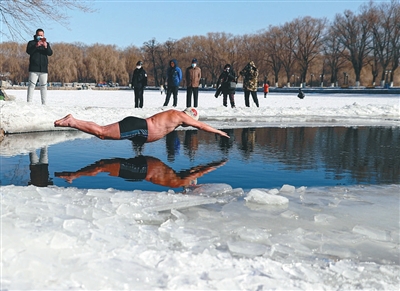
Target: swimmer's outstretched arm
pixel 203 126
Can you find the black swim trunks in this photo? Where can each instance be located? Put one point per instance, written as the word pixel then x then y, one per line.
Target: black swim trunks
pixel 134 169
pixel 133 128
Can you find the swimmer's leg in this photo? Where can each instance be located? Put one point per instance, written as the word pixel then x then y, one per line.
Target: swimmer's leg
pixel 110 131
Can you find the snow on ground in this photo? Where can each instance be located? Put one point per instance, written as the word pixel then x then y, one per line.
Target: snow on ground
pixel 215 237
pixel 278 109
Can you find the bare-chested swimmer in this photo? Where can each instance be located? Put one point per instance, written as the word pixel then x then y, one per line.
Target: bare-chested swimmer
pixel 138 129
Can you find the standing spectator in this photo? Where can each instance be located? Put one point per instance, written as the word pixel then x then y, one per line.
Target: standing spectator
pixel 174 78
pixel 250 80
pixel 139 82
pixel 38 49
pixel 228 80
pixel 193 76
pixel 266 89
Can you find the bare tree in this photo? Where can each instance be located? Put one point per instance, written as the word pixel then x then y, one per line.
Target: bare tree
pixel 385 19
pixel 13 63
pixel 271 46
pixel 151 49
pixel 217 50
pixel 19 15
pixel 132 55
pixel 354 32
pixel 308 33
pixel 333 54
pixel 286 44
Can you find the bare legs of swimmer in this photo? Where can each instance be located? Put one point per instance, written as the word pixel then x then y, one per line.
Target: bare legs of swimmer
pixel 110 131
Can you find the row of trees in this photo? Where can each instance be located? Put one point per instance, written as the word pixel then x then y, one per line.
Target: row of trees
pixel 360 48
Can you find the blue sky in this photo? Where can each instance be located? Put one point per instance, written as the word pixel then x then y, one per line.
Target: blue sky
pixel 131 22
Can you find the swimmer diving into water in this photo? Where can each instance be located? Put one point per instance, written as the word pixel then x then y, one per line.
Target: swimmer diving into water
pixel 138 129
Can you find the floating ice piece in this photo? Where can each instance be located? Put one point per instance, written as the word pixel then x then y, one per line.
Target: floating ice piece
pixel 290 214
pixel 377 234
pixel 62 241
pixel 273 191
pixel 288 188
pixel 212 189
pixel 181 204
pixel 261 197
pixel 324 218
pixel 302 189
pixel 247 248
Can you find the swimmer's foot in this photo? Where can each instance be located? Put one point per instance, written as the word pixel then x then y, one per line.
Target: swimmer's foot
pixel 64 122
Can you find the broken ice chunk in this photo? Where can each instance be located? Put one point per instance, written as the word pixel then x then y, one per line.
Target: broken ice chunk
pixel 247 248
pixel 288 188
pixel 261 197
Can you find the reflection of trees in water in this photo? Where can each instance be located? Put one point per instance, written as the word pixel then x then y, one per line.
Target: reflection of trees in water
pixel 366 153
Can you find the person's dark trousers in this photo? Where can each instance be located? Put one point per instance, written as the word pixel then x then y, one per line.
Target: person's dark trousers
pixel 174 91
pixel 138 97
pixel 231 99
pixel 247 97
pixel 189 92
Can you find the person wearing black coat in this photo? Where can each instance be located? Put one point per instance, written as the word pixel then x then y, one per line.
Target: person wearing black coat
pixel 228 81
pixel 139 82
pixel 38 49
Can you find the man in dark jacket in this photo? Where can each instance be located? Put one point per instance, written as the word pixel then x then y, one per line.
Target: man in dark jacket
pixel 228 81
pixel 139 82
pixel 38 49
pixel 174 78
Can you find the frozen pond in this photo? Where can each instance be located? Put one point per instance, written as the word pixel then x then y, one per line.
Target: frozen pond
pixel 319 211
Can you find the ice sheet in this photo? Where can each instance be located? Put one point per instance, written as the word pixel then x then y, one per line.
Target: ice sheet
pixel 213 237
pixel 106 239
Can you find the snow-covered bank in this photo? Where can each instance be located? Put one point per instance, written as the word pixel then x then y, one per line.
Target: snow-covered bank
pixel 322 238
pixel 216 237
pixel 281 110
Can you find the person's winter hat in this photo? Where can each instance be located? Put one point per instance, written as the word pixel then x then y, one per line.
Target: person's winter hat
pixel 227 66
pixel 192 112
pixel 139 63
pixel 194 61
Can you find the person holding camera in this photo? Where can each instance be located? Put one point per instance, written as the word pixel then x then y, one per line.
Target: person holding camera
pixel 228 81
pixel 38 49
pixel 250 80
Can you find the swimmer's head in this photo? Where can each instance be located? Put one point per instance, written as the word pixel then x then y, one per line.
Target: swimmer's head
pixel 192 112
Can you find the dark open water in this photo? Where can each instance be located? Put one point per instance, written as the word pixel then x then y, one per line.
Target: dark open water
pixel 252 158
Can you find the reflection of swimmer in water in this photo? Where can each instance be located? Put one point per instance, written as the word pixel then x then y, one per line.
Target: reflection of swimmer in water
pixel 143 168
